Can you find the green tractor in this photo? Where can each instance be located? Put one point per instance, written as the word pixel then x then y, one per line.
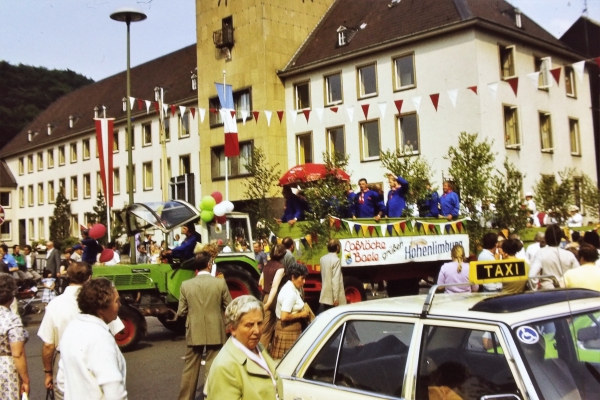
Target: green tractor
pixel 152 290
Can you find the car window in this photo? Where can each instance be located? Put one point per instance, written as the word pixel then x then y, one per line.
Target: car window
pixel 461 363
pixel 371 357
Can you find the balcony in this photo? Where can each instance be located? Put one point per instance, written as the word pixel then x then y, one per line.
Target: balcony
pixel 223 37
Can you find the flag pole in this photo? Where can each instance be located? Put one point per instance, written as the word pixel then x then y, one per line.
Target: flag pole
pixel 226 158
pixel 107 219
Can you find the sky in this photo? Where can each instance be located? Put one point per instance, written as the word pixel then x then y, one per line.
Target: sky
pixel 79 34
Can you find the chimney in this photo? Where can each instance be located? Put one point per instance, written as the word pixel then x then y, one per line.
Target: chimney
pixel 518 18
pixel 124 104
pixel 96 109
pixel 70 121
pixel 29 136
pixel 49 129
pixel 103 111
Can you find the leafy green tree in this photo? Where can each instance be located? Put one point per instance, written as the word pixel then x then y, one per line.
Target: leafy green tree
pixel 260 188
pixel 590 197
pixel 555 195
pixel 415 169
pixel 60 226
pixel 506 195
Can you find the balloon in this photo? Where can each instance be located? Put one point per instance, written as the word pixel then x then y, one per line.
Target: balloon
pixel 221 220
pixel 207 203
pixel 217 196
pixel 207 216
pixel 106 255
pixel 220 209
pixel 97 231
pixel 228 206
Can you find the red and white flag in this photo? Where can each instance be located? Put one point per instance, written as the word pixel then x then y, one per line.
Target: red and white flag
pixel 105 141
pixel 228 115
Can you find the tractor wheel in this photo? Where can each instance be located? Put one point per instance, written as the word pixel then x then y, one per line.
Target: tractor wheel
pixel 355 291
pixel 239 281
pixel 403 287
pixel 135 328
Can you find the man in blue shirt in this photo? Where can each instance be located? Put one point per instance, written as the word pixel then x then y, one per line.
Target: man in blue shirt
pixel 396 199
pixel 449 202
pixel 185 250
pixel 9 260
pixel 294 207
pixel 368 204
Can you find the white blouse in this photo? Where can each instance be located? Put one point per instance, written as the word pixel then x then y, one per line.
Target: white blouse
pixel 289 300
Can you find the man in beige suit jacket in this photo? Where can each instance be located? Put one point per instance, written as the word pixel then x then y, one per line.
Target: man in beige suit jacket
pixel 332 281
pixel 203 299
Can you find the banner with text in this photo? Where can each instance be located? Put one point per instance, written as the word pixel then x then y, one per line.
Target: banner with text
pixel 396 250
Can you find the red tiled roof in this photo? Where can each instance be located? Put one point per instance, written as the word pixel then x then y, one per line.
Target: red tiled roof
pixel 172 72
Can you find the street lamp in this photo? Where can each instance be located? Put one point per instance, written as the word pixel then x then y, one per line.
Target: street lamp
pixel 129 15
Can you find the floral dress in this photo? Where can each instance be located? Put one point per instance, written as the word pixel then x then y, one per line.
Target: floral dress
pixel 11 331
pixel 49 293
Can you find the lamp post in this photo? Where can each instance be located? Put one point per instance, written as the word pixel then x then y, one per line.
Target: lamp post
pixel 129 15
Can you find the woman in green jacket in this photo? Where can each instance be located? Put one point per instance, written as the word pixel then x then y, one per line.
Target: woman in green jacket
pixel 243 368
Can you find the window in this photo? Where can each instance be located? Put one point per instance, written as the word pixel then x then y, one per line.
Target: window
pixel 507 62
pixel 40 161
pixel 546 132
pixel 41 229
pixel 147 134
pixel 236 165
pixel 408 129
pixel 132 139
pixel 511 127
pixel 31 228
pixel 367 81
pixel 302 96
pixel 99 188
pixel 61 155
pixel 184 124
pixel 370 148
pixel 148 176
pixel 116 181
pixel 404 72
pixel 21 166
pixel 74 188
pixel 133 181
pixel 62 186
pixel 366 355
pixel 5 199
pixel 336 142
pixel 51 196
pixel 543 66
pixel 87 186
pixel 75 225
pixel 304 148
pixel 40 193
pixel 184 165
pixel 5 230
pixel 333 89
pixel 30 163
pixel 570 82
pixel 214 116
pixel 21 197
pixel 86 149
pixel 116 142
pixel 242 102
pixel 167 126
pixel 574 137
pixel 50 158
pixel 30 200
pixel 73 152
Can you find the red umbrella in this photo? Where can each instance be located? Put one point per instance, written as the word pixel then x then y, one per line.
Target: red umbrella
pixel 310 172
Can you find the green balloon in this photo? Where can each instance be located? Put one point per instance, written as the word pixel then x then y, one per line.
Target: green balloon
pixel 207 216
pixel 207 203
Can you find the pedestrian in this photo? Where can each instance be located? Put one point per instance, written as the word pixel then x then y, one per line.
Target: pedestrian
pixel 10 261
pixel 52 258
pixel 552 260
pixel 14 377
pixel 259 255
pixel 368 204
pixel 203 300
pixel 288 259
pixel 587 276
pixel 332 281
pixel 533 248
pixel 31 263
pixel 20 260
pixel 116 255
pixel 294 207
pixel 508 251
pixel 449 202
pixel 530 203
pixel 456 271
pixel 396 198
pixel 91 248
pixel 243 369
pixel 93 365
pixel 490 253
pixel 272 279
pixel 76 253
pixel 49 283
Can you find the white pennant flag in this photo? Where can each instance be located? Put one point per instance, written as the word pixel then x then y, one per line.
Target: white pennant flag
pixel 453 95
pixel 382 107
pixel 202 114
pixel 293 115
pixel 223 112
pixel 350 111
pixel 417 102
pixel 578 67
pixel 319 112
pixel 131 102
pixel 493 87
pixel 244 117
pixel 350 226
pixel 148 104
pixel 165 109
pixel 383 230
pixel 181 110
pixel 268 114
pixel 535 78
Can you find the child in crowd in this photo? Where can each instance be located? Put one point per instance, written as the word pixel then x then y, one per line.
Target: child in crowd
pixel 49 283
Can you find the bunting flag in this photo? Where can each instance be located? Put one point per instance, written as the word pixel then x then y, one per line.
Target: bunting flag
pixel 193 111
pixel 165 108
pixel 182 110
pixel 156 107
pixel 357 228
pixel 371 229
pixel 331 221
pixel 306 114
pixel 334 109
pixel 402 227
pixel 398 104
pixel 337 224
pixel 319 112
pixel 202 114
pixel 578 67
pixel 364 229
pixel 304 242
pixel 293 114
pixel 105 141
pixel 140 104
pixel 244 117
pixel 280 115
pixel 350 111
pixel 397 228
pixel 131 103
pixel 365 108
pixel 173 110
pixel 535 78
pixel 418 226
pixel 350 226
pixel 435 98
pixel 232 147
pixel 382 107
pixel 453 95
pixel 448 228
pixel 493 87
pixel 255 114
pixel 148 103
pixel 380 231
pixel 514 84
pixel 309 240
pixel 268 115
pixel 473 88
pixel 556 74
pixel 389 229
pixel 417 102
pixel 459 226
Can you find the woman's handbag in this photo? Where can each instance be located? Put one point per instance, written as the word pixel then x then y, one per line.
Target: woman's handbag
pixel 49 394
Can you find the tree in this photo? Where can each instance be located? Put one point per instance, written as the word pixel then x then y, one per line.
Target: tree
pixel 260 187
pixel 60 226
pixel 506 191
pixel 590 196
pixel 416 170
pixel 556 196
pixel 99 215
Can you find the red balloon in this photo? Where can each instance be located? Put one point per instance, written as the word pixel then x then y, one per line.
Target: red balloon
pixel 217 196
pixel 97 231
pixel 106 255
pixel 221 220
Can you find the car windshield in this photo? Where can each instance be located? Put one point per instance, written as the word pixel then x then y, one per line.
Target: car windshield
pixel 563 355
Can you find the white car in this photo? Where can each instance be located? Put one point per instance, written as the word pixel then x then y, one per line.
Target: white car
pixel 535 345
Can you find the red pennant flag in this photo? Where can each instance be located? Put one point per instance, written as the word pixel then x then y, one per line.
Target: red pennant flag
pixel 156 107
pixel 556 74
pixel 435 98
pixel 306 114
pixel 371 229
pixel 473 88
pixel 173 108
pixel 365 108
pixel 334 109
pixel 597 59
pixel 193 111
pixel 403 226
pixel 280 115
pixel 459 225
pixel 213 110
pixel 140 104
pixel 256 114
pixel 104 138
pixel 337 224
pixel 514 84
pixel 398 104
pixel 432 228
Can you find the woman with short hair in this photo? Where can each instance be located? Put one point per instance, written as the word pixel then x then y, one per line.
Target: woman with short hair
pixel 290 311
pixel 243 368
pixel 14 378
pixel 272 279
pixel 90 357
pixel 456 271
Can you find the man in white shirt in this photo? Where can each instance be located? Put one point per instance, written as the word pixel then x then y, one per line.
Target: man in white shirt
pixel 576 219
pixel 30 262
pixel 533 248
pixel 490 241
pixel 552 260
pixel 77 252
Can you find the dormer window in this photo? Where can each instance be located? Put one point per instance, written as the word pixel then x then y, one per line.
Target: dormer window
pixel 518 22
pixel 342 32
pixel 194 78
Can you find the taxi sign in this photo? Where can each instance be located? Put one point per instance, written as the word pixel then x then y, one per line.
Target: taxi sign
pixel 498 271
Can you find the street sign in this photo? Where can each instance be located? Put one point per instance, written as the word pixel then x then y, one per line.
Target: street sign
pixel 1 215
pixel 498 271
